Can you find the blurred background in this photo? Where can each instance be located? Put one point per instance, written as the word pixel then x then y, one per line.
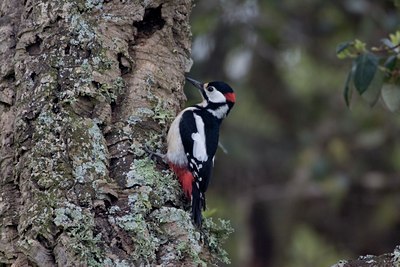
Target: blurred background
pixel 306 181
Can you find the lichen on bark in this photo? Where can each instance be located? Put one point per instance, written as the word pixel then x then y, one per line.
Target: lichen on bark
pixel 385 260
pixel 85 86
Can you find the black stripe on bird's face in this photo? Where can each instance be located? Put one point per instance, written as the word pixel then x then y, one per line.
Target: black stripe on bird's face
pixel 215 92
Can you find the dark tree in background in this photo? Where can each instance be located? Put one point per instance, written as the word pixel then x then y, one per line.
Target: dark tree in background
pixel 84 86
pixel 307 181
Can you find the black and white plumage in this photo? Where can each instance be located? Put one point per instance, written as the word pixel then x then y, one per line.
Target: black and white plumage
pixel 193 141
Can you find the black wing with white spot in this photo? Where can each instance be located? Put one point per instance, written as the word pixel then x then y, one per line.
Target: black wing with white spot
pixel 197 138
pixel 199 148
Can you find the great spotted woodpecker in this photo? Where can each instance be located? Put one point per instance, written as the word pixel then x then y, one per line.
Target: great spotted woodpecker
pixel 193 140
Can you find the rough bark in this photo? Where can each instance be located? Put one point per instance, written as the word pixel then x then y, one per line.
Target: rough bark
pixel 84 86
pixel 384 260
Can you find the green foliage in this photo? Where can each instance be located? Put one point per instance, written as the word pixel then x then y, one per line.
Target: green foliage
pixel 374 88
pixel 366 66
pixel 391 96
pixel 374 71
pixel 348 89
pixel 350 49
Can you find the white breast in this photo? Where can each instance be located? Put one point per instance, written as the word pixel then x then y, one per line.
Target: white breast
pixel 176 153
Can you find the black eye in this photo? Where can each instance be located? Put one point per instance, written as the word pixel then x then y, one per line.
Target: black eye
pixel 210 89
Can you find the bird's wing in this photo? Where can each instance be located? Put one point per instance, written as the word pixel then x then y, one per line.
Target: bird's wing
pixel 193 134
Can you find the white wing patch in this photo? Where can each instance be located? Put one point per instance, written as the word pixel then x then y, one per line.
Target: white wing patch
pixel 199 140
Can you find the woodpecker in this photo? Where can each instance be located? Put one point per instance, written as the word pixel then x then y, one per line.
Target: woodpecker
pixel 193 140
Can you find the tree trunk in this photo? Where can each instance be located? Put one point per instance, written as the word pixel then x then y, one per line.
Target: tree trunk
pixel 84 86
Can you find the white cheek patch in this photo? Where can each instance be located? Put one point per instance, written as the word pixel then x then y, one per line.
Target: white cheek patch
pixel 216 96
pixel 219 112
pixel 199 140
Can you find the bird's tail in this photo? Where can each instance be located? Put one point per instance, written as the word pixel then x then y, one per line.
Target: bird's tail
pixel 198 203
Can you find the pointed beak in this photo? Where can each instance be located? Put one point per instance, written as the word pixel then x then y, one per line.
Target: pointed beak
pixel 196 84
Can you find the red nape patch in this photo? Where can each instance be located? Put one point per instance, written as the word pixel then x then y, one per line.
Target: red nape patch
pixel 231 97
pixel 185 178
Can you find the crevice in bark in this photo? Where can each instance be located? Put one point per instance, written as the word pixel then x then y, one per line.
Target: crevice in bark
pixel 67 49
pixel 96 85
pixel 123 64
pixel 84 106
pixel 45 243
pixel 152 22
pixel 10 77
pixel 28 9
pixel 113 107
pixel 34 49
pixel 119 240
pixel 56 105
pixel 33 76
pixel 87 53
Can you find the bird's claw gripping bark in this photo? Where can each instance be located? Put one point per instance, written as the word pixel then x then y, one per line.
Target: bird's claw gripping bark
pixel 153 153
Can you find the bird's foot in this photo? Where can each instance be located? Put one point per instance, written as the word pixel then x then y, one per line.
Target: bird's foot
pixel 153 153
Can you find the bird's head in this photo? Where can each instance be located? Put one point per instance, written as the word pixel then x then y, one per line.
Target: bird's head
pixel 215 94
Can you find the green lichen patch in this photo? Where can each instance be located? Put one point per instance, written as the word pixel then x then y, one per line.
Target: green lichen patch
pixel 215 236
pixel 145 242
pixel 48 167
pixel 164 187
pixel 396 256
pixel 341 263
pixel 168 189
pixel 50 173
pixel 88 151
pixel 141 173
pixel 44 174
pixel 77 226
pixel 162 113
pixel 181 239
pixel 116 263
pixel 83 31
pixel 161 106
pixel 141 114
pixel 94 4
pixel 37 216
pixel 90 66
pixel 154 140
pixel 113 90
pixel 150 190
pixel 139 201
pixel 68 216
